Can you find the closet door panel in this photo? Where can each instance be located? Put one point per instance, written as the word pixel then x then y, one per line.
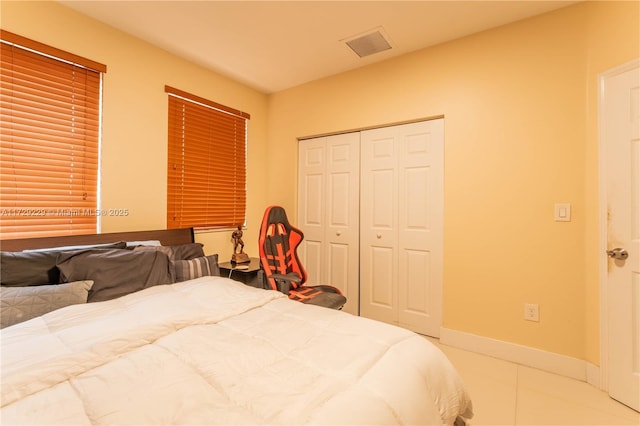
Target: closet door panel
pixel 338 268
pixel 378 296
pixel 401 224
pixel 311 205
pixel 341 240
pixel 378 223
pixel 421 165
pixel 330 191
pixel 312 259
pixel 379 190
pixel 414 289
pixel 343 216
pixel 337 208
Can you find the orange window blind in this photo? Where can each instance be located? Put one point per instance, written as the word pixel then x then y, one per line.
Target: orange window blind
pixel 49 140
pixel 206 185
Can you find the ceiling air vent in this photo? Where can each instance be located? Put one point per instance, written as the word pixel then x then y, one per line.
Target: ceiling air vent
pixel 369 43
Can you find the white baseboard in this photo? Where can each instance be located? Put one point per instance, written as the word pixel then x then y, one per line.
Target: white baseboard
pixel 594 377
pixel 524 355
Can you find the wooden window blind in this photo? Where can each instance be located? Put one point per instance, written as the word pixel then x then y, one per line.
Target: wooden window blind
pixel 49 137
pixel 206 185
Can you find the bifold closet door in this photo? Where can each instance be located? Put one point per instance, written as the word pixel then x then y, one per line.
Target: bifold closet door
pixel 328 212
pixel 401 240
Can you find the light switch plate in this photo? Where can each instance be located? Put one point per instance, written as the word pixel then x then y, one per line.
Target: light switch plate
pixel 562 212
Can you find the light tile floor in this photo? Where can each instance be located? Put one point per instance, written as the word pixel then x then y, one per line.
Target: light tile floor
pixel 505 393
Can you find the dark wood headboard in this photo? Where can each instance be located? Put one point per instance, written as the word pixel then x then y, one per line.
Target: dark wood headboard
pixel 167 237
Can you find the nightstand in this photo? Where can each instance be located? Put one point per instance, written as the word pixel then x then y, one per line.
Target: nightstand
pixel 247 273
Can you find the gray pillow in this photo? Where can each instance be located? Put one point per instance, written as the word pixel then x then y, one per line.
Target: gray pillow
pixel 115 272
pixel 19 304
pixel 196 268
pixel 23 269
pixel 37 267
pixel 176 252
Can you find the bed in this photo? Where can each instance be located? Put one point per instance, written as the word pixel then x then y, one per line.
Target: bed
pixel 204 349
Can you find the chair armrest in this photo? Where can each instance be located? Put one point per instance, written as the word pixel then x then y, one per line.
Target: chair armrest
pixel 286 282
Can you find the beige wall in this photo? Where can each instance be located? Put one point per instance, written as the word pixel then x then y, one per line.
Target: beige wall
pixel 520 107
pixel 520 110
pixel 134 144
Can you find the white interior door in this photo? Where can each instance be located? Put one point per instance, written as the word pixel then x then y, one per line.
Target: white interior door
pixel 620 113
pixel 328 212
pixel 401 240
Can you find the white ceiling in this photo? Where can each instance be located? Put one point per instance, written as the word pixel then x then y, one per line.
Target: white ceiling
pixel 275 45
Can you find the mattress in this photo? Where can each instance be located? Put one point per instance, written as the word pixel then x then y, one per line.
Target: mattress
pixel 214 351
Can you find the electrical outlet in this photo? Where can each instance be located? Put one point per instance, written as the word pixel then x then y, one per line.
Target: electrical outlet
pixel 531 312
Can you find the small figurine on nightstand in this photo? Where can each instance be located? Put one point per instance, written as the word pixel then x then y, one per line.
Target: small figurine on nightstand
pixel 238 256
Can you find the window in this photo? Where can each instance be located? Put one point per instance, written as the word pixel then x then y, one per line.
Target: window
pixel 206 185
pixel 49 137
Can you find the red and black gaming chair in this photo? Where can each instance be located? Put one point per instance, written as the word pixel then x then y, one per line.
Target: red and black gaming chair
pixel 282 268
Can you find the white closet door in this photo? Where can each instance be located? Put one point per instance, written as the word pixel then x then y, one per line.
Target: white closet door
pixel 401 225
pixel 378 225
pixel 420 236
pixel 328 212
pixel 343 214
pixel 311 206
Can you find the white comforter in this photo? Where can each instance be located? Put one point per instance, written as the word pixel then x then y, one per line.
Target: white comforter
pixel 213 351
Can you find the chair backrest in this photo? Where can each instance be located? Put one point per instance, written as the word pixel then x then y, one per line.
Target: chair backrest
pixel 277 243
